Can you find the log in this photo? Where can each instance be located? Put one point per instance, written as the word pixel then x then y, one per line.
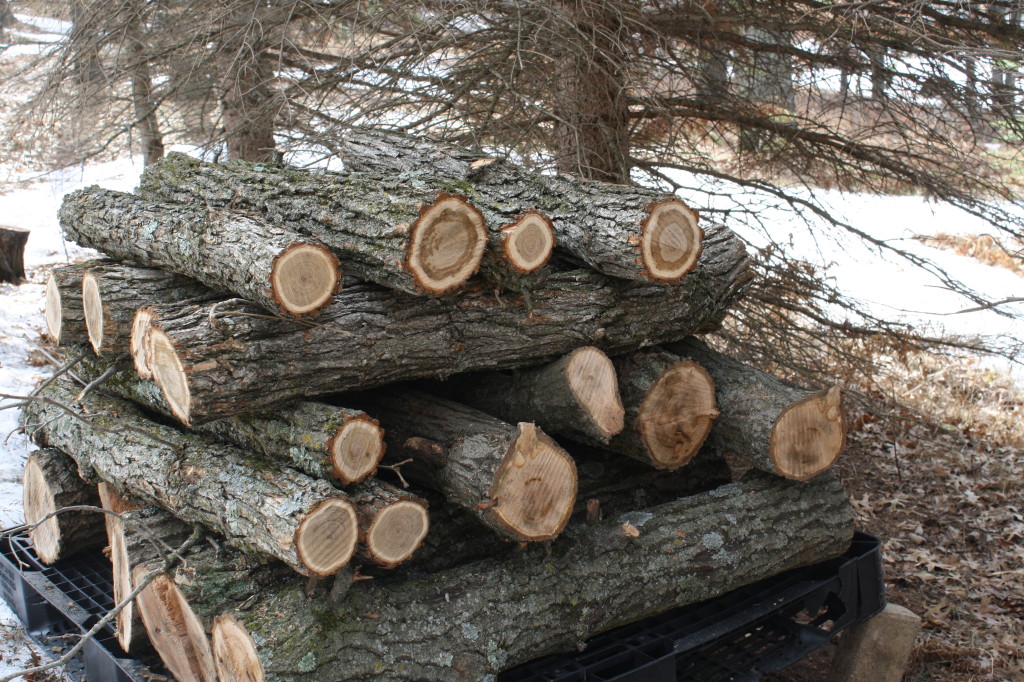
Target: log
pixel 112 292
pixel 50 483
pixel 514 479
pixel 257 503
pixel 63 310
pixel 478 619
pixel 771 424
pixel 282 271
pixel 392 522
pixel 619 230
pixel 576 395
pixel 241 362
pixel 397 233
pixel 12 254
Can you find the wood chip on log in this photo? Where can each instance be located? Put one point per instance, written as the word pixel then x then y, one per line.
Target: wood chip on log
pixel 12 254
pixel 576 395
pixel 241 362
pixel 514 478
pixel 478 619
pixel 282 271
pixel 400 234
pixel 772 424
pixel 619 230
pixel 51 483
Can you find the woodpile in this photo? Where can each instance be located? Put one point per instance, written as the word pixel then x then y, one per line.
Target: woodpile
pixel 373 455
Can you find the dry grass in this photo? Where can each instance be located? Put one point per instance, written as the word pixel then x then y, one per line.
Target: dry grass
pixel 982 247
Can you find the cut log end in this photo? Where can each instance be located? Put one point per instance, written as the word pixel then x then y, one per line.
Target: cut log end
pixel 53 309
pixel 122 583
pixel 446 245
pixel 304 278
pixel 174 629
pixel 676 415
pixel 234 652
pixel 397 532
pixel 528 242
pixel 535 486
pixel 591 377
pixel 809 436
pixel 168 374
pixel 671 242
pixel 356 449
pixel 138 341
pixel 38 500
pixel 92 307
pixel 326 539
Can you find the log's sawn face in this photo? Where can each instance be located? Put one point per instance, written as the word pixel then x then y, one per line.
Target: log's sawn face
pixel 528 242
pixel 446 244
pixel 676 415
pixel 672 241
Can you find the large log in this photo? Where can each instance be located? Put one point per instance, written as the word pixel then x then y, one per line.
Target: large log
pixel 228 251
pixel 397 233
pixel 256 502
pixel 772 424
pixel 51 483
pixel 63 310
pixel 514 479
pixel 12 254
pixel 475 620
pixel 619 230
pixel 369 337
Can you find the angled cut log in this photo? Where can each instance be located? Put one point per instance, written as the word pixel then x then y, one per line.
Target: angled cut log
pixel 51 483
pixel 274 267
pixel 63 310
pixel 396 233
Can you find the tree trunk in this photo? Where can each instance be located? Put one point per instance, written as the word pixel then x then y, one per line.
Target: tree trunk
pixel 621 231
pixel 475 620
pixel 257 503
pixel 765 80
pixel 143 102
pixel 228 251
pixel 771 424
pixel 576 395
pixel 387 230
pixel 112 292
pixel 370 337
pixel 65 317
pixel 12 254
pixel 514 479
pixel 247 103
pixel 49 484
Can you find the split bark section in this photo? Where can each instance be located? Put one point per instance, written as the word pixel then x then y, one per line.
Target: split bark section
pixel 369 337
pixel 772 424
pixel 51 483
pixel 514 479
pixel 228 251
pixel 12 254
pixel 478 619
pixel 616 229
pixel 387 230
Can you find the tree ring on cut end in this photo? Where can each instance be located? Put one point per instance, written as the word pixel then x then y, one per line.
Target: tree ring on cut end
pixel 54 312
pixel 529 242
pixel 446 245
pixel 326 538
pixel 234 652
pixel 168 373
pixel 592 380
pixel 355 449
pixel 397 531
pixel 671 241
pixel 92 308
pixel 808 436
pixel 676 415
pixel 304 277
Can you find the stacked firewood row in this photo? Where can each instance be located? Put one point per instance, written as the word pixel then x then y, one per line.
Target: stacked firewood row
pixel 354 383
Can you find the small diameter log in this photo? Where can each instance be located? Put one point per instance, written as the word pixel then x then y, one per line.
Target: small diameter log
pixel 619 230
pixel 577 395
pixel 514 479
pixel 64 313
pixel 112 292
pixel 257 503
pixel 241 362
pixel 274 267
pixel 475 620
pixel 387 230
pixel 51 483
pixel 772 424
pixel 670 407
pixel 392 522
pixel 12 254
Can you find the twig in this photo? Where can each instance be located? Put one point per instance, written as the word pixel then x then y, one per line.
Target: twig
pixel 116 367
pixel 396 467
pixel 64 369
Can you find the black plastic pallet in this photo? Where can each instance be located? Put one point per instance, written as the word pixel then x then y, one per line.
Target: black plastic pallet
pixel 738 637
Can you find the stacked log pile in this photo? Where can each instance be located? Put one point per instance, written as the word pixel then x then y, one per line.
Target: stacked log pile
pixel 494 436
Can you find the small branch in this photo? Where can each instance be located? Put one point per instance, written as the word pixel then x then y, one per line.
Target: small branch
pixel 116 367
pixel 61 371
pixel 396 467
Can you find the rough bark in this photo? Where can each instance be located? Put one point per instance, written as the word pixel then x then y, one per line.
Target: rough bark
pixel 618 230
pixel 576 395
pixel 514 478
pixel 403 235
pixel 478 619
pixel 256 502
pixel 274 267
pixel 112 292
pixel 65 316
pixel 12 254
pixel 50 483
pixel 370 337
pixel 771 424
